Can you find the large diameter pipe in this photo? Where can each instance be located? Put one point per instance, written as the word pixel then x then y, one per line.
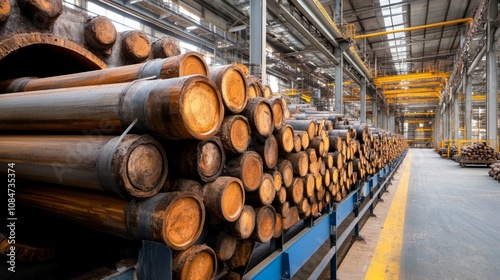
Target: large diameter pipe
pixel 178 108
pixel 136 166
pixel 190 63
pixel 175 218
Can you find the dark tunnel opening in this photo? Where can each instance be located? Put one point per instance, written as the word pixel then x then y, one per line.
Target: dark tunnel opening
pixel 44 60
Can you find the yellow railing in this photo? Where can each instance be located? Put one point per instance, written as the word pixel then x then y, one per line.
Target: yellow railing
pixel 447 143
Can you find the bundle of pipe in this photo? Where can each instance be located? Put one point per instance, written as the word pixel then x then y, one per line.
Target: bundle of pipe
pixel 238 168
pixel 74 143
pixel 356 150
pixel 479 151
pixel 495 171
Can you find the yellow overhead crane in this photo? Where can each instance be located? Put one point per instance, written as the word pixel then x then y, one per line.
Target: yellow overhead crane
pixel 411 114
pixel 420 129
pixel 408 77
pixel 413 100
pixel 413 95
pixel 413 84
pixel 411 90
pixel 417 121
pixel 475 98
pixel 355 98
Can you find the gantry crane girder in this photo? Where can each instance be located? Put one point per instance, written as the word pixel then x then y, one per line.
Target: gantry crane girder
pixel 413 84
pixel 413 95
pixel 413 100
pixel 412 114
pixel 408 77
pixel 417 121
pixel 411 90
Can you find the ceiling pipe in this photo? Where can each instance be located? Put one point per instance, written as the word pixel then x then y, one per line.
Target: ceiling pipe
pixel 432 25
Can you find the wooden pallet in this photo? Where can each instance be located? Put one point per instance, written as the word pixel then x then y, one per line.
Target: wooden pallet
pixel 463 162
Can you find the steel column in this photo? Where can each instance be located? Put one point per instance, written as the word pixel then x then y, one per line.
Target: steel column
pixel 258 38
pixel 435 132
pixel 456 120
pixel 450 135
pixel 363 100
pixel 339 71
pixel 381 119
pixel 491 77
pixel 374 109
pixel 338 12
pixel 468 107
pixel 392 121
pixel 446 123
pixel 386 118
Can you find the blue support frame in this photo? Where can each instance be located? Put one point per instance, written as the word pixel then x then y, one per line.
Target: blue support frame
pixel 283 264
pixel 298 250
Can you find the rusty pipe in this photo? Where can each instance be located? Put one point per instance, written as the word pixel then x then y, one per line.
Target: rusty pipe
pixel 173 218
pixel 135 166
pixel 178 108
pixel 190 63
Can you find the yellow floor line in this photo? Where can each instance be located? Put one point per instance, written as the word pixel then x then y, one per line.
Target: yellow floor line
pixel 386 258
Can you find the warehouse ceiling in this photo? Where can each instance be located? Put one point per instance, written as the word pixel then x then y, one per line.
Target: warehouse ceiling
pixel 411 68
pixel 430 52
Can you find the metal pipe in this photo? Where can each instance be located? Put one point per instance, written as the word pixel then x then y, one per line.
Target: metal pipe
pixel 432 25
pixel 132 166
pixel 178 108
pixel 190 63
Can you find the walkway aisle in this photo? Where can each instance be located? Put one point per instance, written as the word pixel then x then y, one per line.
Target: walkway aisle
pixel 452 225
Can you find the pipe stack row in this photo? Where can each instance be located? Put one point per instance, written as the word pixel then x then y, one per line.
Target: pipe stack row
pixel 358 149
pixel 199 158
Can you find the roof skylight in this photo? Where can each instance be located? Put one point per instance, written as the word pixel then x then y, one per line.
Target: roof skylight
pixel 393 20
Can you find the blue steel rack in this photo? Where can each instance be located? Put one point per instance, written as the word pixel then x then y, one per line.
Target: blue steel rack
pixel 285 262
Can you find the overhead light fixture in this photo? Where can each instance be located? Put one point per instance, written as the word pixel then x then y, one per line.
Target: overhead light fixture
pixel 191 27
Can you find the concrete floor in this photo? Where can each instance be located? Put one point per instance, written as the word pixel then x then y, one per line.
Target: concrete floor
pixel 450 225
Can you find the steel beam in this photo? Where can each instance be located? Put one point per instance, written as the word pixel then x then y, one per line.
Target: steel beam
pixel 258 10
pixel 491 77
pixel 302 30
pixel 432 25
